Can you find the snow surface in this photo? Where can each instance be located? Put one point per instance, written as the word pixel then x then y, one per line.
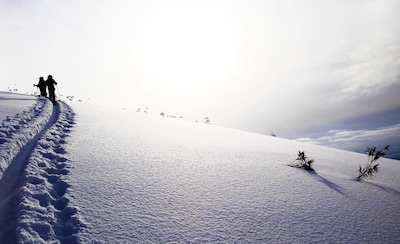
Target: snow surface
pixel 12 104
pixel 77 173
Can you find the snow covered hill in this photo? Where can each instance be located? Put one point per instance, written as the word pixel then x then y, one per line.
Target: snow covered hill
pixel 78 173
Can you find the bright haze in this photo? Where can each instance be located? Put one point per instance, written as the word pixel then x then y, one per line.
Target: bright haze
pixel 325 72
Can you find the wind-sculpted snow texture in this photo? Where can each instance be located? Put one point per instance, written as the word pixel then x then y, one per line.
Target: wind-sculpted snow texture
pixel 145 179
pixel 34 203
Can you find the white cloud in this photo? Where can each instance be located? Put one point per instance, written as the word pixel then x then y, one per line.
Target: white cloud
pixel 358 140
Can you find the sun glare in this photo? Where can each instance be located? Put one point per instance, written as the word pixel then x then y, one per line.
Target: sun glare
pixel 186 49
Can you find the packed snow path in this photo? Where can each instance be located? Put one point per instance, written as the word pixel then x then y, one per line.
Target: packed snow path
pixel 33 202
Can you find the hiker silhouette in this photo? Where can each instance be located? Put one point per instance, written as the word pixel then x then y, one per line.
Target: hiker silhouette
pixel 50 82
pixel 42 87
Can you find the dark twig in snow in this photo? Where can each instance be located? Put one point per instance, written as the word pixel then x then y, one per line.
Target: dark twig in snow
pixel 372 167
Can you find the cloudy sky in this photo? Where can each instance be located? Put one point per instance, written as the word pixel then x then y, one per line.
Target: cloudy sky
pixel 325 72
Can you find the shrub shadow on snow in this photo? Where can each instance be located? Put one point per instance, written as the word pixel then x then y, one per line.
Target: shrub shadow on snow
pixel 328 183
pixel 323 180
pixel 385 188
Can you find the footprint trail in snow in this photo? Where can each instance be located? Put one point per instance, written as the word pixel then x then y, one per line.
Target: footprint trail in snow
pixel 16 131
pixel 34 201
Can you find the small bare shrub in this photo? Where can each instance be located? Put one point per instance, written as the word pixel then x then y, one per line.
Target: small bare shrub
pixel 302 161
pixel 371 167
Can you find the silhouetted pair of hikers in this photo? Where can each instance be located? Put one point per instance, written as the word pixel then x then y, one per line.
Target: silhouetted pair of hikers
pixel 50 84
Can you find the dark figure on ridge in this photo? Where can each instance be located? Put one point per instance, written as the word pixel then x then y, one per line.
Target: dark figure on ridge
pixel 42 87
pixel 50 82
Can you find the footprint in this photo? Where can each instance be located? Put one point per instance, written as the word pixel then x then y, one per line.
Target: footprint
pixel 44 199
pixel 35 180
pixel 60 150
pixel 67 212
pixel 61 141
pixel 53 171
pixel 43 229
pixel 70 239
pixel 53 178
pixel 42 164
pixel 60 188
pixel 60 163
pixel 49 155
pixel 71 227
pixel 61 203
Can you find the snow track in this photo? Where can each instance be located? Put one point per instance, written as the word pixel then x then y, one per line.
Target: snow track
pixel 17 130
pixel 34 203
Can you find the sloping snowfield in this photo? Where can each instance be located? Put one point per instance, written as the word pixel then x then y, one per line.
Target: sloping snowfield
pixel 77 173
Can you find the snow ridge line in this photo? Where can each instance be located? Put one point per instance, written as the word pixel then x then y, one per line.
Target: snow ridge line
pixel 44 213
pixel 17 130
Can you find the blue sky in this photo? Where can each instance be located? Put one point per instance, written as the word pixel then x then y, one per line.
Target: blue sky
pixel 317 71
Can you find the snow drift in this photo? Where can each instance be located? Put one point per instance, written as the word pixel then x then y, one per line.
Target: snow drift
pixel 87 174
